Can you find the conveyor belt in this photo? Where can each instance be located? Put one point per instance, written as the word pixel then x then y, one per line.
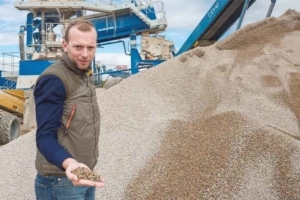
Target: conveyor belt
pixel 220 17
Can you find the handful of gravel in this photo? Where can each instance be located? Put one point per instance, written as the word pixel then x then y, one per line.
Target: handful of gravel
pixel 86 174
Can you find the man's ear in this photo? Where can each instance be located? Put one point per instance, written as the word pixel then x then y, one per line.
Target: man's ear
pixel 64 45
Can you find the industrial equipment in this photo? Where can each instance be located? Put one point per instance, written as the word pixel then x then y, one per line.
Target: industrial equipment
pixel 9 127
pixel 47 21
pixel 12 104
pixel 12 101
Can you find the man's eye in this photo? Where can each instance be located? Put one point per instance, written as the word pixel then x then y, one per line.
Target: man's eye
pixel 78 47
pixel 91 48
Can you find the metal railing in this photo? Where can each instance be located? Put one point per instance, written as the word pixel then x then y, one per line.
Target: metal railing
pixel 110 2
pixel 106 2
pixel 158 5
pixel 160 10
pixel 9 84
pixel 148 5
pixel 10 61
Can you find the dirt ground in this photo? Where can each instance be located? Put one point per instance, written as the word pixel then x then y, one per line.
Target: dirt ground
pixel 22 131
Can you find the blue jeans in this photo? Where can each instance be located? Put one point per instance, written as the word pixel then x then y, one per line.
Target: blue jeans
pixel 60 188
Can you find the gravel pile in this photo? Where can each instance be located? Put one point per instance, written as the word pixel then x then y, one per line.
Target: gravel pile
pixel 220 122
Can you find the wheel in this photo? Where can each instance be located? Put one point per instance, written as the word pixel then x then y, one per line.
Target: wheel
pixel 9 128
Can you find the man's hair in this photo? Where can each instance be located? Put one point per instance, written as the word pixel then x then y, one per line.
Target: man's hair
pixel 82 25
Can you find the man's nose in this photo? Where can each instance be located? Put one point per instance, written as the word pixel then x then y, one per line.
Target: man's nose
pixel 85 52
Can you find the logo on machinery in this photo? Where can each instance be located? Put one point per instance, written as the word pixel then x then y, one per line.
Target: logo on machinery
pixel 106 29
pixel 213 10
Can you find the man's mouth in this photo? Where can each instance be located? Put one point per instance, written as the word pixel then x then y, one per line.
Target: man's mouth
pixel 84 62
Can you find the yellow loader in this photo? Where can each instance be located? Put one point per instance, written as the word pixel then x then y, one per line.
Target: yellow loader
pixel 11 108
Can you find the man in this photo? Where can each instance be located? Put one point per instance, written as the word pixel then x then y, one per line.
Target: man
pixel 68 119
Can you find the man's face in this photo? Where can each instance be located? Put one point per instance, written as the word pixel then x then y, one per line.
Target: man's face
pixel 81 47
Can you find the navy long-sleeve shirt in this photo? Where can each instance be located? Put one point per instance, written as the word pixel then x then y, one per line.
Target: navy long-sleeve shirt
pixel 50 95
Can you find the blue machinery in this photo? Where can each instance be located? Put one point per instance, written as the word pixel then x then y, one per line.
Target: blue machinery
pixel 114 23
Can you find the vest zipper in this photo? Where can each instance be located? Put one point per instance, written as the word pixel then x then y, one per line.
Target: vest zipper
pixel 67 125
pixel 71 116
pixel 91 96
pixel 85 77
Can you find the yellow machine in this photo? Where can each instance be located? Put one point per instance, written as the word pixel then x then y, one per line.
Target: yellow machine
pixel 11 107
pixel 12 101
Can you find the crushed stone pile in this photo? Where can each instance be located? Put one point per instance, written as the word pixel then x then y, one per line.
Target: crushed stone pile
pixel 220 122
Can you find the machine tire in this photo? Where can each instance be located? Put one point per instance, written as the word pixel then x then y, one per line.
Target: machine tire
pixel 9 128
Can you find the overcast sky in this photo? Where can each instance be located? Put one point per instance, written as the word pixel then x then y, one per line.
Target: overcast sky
pixel 182 17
